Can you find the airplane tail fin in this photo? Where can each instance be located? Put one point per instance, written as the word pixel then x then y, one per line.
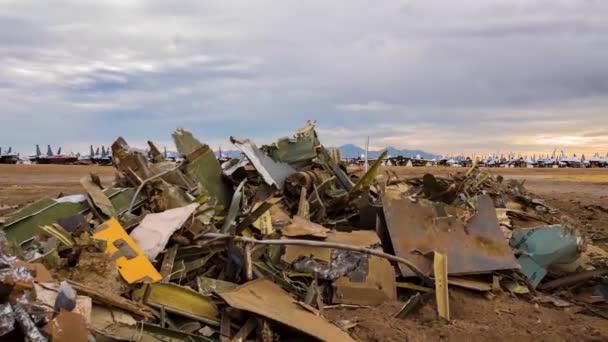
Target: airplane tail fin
pixel 153 152
pixel 49 152
pixel 10 149
pixel 59 151
pixel 91 151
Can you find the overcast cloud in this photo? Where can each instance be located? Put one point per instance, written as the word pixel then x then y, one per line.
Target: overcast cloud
pixel 458 76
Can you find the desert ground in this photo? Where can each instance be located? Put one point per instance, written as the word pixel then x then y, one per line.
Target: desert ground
pixel 475 318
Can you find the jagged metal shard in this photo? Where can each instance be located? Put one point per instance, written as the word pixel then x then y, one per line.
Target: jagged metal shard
pixel 418 229
pixel 273 173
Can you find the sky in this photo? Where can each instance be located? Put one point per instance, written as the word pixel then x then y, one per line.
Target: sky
pixel 473 77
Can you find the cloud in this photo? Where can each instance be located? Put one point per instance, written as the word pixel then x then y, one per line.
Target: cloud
pixel 372 106
pixel 479 75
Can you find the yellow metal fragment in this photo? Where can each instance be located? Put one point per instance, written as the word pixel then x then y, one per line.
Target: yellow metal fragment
pixel 441 285
pixel 410 286
pixel 132 264
pixel 180 300
pixel 304 206
pixel 264 222
pixel 247 233
pixel 58 232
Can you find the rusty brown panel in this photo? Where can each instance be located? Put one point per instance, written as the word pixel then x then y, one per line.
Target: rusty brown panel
pixel 415 231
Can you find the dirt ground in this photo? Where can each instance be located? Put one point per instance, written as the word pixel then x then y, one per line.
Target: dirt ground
pixel 22 184
pixel 475 318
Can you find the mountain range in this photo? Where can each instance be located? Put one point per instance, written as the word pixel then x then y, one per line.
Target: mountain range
pixel 354 151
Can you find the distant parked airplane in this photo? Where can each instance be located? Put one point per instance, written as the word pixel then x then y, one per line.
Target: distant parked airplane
pixel 51 158
pixel 9 157
pixel 102 158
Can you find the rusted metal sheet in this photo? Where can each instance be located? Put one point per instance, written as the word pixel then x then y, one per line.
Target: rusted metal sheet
pixel 267 299
pixel 418 229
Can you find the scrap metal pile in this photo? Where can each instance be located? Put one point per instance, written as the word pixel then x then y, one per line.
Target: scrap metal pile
pixel 259 247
